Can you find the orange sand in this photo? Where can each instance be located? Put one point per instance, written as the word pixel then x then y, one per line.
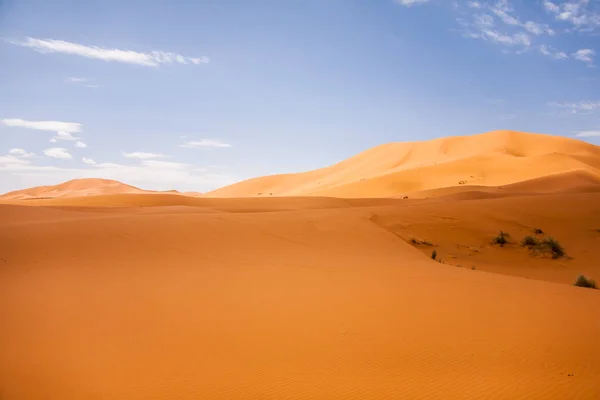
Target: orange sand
pixel 491 159
pixel 164 296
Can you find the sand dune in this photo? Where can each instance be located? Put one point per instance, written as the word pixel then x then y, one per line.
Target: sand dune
pixel 108 291
pixel 491 159
pixel 73 188
pixel 329 300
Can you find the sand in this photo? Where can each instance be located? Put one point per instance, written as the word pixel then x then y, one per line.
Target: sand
pixel 164 296
pixel 492 159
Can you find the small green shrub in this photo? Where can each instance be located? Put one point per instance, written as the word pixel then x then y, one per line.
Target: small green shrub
pixel 529 241
pixel 434 255
pixel 501 239
pixel 552 245
pixel 582 281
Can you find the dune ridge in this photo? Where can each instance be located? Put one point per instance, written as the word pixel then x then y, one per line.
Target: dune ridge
pixel 73 188
pixel 490 159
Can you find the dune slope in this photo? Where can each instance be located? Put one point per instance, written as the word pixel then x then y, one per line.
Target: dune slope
pixel 490 159
pixel 310 303
pixel 72 188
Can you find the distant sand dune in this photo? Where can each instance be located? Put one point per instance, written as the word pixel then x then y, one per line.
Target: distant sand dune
pixel 491 159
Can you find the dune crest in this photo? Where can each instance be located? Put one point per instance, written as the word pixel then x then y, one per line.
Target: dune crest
pixel 490 159
pixel 73 188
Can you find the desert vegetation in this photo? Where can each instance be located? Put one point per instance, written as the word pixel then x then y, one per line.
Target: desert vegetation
pixel 582 281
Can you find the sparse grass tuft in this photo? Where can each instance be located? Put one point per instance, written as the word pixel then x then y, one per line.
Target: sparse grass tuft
pixel 501 239
pixel 529 241
pixel 423 242
pixel 538 231
pixel 434 255
pixel 552 245
pixel 582 281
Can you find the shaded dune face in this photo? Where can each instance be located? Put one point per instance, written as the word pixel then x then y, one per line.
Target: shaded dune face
pixel 487 160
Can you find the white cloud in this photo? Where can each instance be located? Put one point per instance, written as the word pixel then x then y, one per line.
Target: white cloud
pixel 12 160
pixel 585 55
pixel 20 153
pixel 575 108
pixel 62 135
pixel 85 82
pixel 588 134
pixel 149 174
pixel 69 127
pixel 80 145
pixel 75 80
pixel 474 4
pixel 505 16
pixel 517 39
pixel 205 143
pixel 552 52
pixel 551 7
pixel 88 161
pixel 57 152
pixel 149 59
pixel 408 3
pixel 538 29
pixel 140 155
pixel 576 13
pixel 163 164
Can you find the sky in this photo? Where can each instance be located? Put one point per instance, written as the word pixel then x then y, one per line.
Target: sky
pixel 195 95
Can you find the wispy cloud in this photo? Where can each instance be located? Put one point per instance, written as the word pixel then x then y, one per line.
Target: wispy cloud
pixel 551 7
pixel 57 152
pixel 588 134
pixel 499 22
pixel 163 164
pixel 80 145
pixel 75 80
pixel 85 82
pixel 55 126
pixel 579 107
pixel 20 153
pixel 577 12
pixel 409 3
pixel 13 161
pixel 552 52
pixel 585 55
pixel 149 174
pixel 62 135
pixel 140 155
pixel 149 59
pixel 205 143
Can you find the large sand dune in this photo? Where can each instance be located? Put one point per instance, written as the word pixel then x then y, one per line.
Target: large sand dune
pixel 491 159
pixel 111 292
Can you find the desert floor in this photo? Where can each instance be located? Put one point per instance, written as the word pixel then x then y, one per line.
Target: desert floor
pixel 162 296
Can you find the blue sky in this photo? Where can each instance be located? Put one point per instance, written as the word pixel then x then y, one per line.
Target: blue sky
pixel 195 95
